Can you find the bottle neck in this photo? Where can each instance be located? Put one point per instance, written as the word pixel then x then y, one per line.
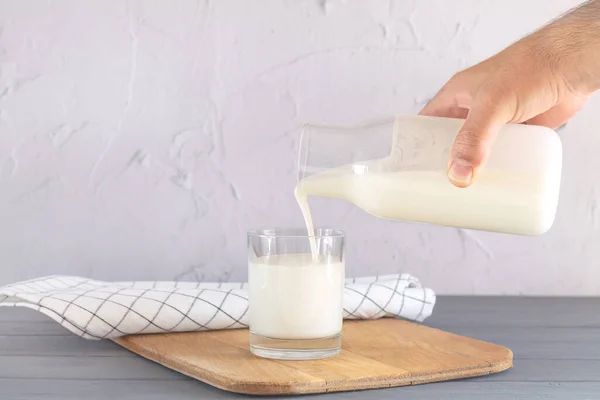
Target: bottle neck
pixel 327 147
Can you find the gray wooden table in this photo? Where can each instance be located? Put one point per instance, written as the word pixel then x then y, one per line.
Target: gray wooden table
pixel 556 343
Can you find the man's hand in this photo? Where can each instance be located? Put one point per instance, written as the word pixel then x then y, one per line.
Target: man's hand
pixel 543 79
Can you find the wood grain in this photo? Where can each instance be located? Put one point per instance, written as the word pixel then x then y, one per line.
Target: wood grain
pixel 375 354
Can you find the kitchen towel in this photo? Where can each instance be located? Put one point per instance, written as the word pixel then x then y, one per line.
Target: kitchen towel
pixel 103 310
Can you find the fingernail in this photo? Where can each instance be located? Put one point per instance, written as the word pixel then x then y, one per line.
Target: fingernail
pixel 460 173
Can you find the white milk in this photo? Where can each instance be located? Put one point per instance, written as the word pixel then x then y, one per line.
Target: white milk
pixel 294 296
pixel 511 203
pixel 302 199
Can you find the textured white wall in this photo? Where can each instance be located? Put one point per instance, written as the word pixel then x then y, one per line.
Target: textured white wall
pixel 140 140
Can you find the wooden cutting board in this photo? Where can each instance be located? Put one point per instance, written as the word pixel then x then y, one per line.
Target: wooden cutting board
pixel 375 354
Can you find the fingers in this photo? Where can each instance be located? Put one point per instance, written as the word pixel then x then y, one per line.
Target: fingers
pixel 492 107
pixel 550 119
pixel 439 106
pixel 559 114
pixel 448 111
pixel 455 98
pixel 444 104
pixel 473 142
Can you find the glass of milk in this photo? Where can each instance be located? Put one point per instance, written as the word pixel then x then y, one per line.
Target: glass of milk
pixel 296 288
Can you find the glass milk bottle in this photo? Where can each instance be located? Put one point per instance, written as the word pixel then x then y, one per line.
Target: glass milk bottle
pixel 396 169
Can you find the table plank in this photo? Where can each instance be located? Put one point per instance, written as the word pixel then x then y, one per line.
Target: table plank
pixel 83 367
pixel 569 370
pixel 553 350
pixel 45 389
pixel 556 342
pixel 524 334
pixel 20 314
pixel 35 328
pixel 16 345
pixel 516 312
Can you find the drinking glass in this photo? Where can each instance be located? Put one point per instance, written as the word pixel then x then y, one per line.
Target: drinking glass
pixel 296 296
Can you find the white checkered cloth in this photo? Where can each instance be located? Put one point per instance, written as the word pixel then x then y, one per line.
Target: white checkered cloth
pixel 103 310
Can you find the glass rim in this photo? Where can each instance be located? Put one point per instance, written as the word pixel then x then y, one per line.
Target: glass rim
pixel 296 233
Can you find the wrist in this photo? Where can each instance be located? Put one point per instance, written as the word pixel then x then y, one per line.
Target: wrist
pixel 573 42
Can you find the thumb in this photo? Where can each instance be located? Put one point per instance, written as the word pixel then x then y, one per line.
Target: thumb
pixel 473 142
